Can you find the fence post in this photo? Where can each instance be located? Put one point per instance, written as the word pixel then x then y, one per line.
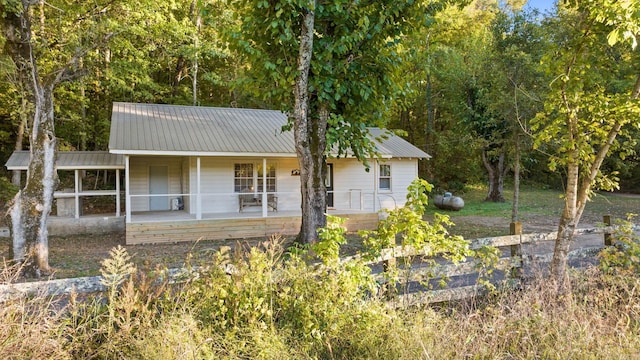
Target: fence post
pixel 606 219
pixel 389 268
pixel 515 228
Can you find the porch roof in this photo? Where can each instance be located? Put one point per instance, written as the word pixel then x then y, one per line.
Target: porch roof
pixel 71 160
pixel 159 129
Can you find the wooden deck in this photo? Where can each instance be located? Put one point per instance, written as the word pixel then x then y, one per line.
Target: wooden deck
pixel 169 227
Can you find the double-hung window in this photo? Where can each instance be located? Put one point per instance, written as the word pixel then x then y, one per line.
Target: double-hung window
pixel 243 177
pixel 249 177
pixel 384 177
pixel 270 178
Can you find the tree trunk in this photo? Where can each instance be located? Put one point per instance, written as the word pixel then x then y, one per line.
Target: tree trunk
pixel 496 172
pixel 566 227
pixel 310 139
pixel 576 196
pixel 194 75
pixel 516 179
pixel 32 205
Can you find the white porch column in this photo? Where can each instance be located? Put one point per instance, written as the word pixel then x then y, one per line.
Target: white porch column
pixel 76 194
pixel 117 192
pixel 376 168
pixel 127 193
pixel 265 205
pixel 198 196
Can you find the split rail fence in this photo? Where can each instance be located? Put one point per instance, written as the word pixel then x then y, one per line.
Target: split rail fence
pixel 513 265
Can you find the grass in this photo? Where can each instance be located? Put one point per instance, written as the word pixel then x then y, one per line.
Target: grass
pixel 539 211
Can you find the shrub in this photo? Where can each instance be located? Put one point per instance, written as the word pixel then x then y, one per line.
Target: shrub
pixel 624 255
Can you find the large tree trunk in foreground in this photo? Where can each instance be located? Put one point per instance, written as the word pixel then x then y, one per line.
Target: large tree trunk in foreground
pixel 496 171
pixel 310 139
pixel 31 206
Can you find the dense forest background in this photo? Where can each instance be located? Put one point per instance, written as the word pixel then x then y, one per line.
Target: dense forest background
pixel 469 81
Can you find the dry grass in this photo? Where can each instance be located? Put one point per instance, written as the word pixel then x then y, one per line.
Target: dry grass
pixel 600 319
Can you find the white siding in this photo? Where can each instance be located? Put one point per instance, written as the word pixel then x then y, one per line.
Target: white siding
pixel 403 172
pixel 139 178
pixel 354 187
pixel 217 177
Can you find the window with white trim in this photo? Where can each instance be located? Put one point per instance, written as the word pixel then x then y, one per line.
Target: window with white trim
pixel 248 174
pixel 271 178
pixel 384 177
pixel 243 177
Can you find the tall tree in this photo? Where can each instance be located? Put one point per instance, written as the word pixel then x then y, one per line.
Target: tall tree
pixel 515 94
pixel 352 59
pixel 437 62
pixel 594 97
pixel 44 57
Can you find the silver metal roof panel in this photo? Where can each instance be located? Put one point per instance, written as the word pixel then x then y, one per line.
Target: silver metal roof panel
pixel 71 160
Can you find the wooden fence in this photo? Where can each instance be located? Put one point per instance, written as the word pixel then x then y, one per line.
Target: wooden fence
pixel 513 265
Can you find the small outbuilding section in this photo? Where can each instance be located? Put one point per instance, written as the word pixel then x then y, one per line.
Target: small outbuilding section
pixel 69 218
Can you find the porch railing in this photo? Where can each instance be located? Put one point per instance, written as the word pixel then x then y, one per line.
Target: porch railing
pixel 229 202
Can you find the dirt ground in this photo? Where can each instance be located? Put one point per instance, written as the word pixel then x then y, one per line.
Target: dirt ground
pixel 81 255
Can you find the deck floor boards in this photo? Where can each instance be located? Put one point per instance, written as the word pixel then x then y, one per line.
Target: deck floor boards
pixel 176 226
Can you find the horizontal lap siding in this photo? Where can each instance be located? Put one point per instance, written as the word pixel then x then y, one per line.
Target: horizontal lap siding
pixel 287 185
pixel 350 179
pixel 403 172
pixel 217 184
pixel 223 229
pixel 139 178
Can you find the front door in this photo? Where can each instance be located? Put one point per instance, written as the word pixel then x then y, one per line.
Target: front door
pixel 158 184
pixel 328 183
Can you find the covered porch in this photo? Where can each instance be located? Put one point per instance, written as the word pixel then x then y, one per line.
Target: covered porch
pixel 68 201
pixel 173 226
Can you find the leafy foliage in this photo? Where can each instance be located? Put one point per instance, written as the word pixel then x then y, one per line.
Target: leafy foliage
pixel 406 224
pixel 624 256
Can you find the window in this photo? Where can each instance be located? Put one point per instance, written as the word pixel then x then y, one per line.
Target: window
pixel 384 181
pixel 243 177
pixel 246 175
pixel 271 178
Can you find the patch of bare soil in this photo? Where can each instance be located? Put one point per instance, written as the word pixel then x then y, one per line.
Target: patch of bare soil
pixel 82 255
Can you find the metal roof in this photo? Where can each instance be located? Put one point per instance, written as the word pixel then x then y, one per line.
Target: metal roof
pixel 159 129
pixel 171 129
pixel 71 160
pixel 395 146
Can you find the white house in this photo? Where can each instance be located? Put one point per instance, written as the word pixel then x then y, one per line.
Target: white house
pixel 215 173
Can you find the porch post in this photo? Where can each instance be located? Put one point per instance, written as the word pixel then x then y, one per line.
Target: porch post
pixel 127 192
pixel 264 187
pixel 375 184
pixel 117 192
pixel 198 196
pixel 76 195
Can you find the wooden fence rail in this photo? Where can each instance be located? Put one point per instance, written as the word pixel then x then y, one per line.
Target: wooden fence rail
pixel 515 261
